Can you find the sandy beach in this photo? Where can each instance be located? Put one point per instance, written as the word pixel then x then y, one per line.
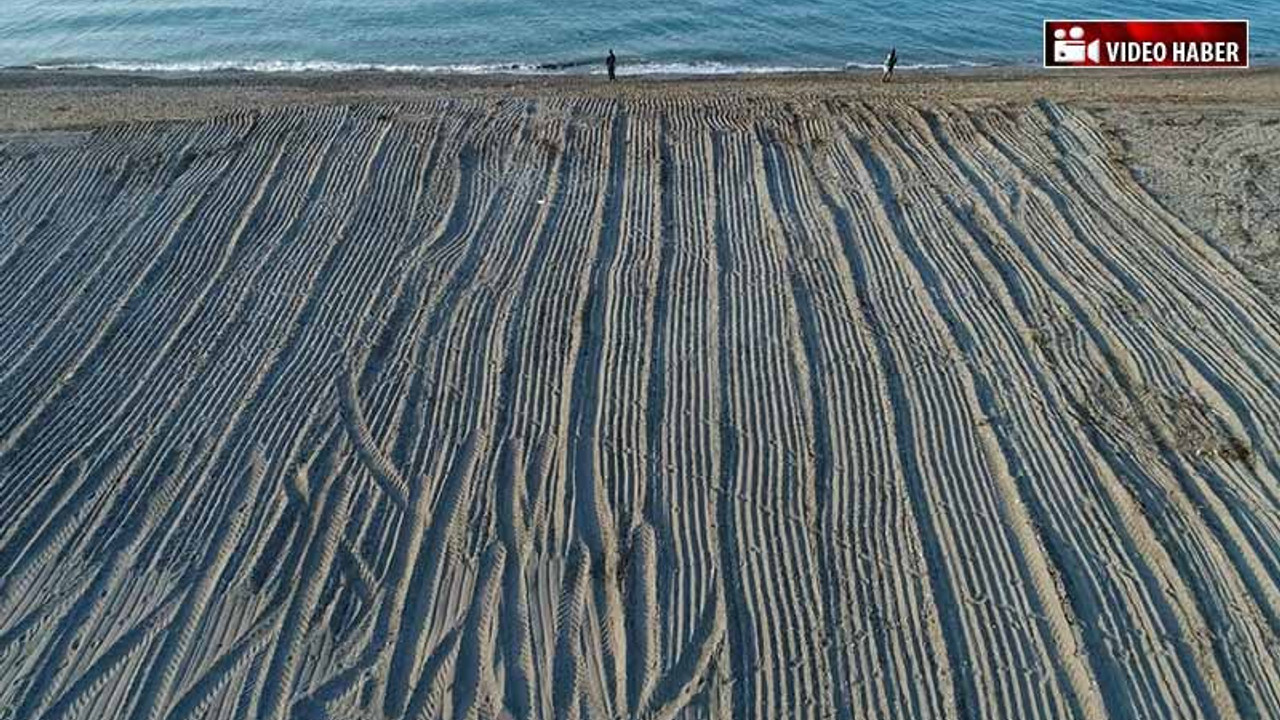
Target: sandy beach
pixel 386 396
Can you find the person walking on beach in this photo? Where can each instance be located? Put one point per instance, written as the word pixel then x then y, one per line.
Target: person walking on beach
pixel 890 61
pixel 611 63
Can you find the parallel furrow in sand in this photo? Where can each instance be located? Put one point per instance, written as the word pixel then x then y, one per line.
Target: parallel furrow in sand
pixel 44 247
pixel 455 423
pixel 386 362
pixel 47 310
pixel 203 578
pixel 1000 656
pixel 304 340
pixel 30 578
pixel 1182 276
pixel 1160 484
pixel 543 367
pixel 34 185
pixel 684 405
pixel 246 199
pixel 160 414
pixel 1152 350
pixel 1201 683
pixel 39 455
pixel 479 205
pixel 626 297
pixel 628 407
pixel 322 535
pixel 1115 343
pixel 772 478
pixel 55 252
pixel 309 342
pixel 436 188
pixel 225 368
pixel 248 384
pixel 134 247
pixel 79 391
pixel 99 481
pixel 110 581
pixel 600 519
pixel 882 623
pixel 199 516
pixel 1046 455
pixel 47 183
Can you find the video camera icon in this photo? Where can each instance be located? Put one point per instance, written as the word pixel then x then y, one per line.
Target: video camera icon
pixel 1070 47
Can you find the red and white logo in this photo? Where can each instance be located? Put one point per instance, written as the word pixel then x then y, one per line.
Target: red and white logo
pixel 1071 48
pixel 1146 43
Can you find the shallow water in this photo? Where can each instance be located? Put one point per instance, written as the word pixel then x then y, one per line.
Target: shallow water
pixel 562 35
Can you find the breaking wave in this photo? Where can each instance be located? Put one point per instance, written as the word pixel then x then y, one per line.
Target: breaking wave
pixel 572 67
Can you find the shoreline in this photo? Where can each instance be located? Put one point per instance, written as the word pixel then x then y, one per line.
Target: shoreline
pixel 570 68
pixel 289 72
pixel 71 99
pixel 575 67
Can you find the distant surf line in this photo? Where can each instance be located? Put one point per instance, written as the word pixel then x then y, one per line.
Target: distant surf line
pixel 574 67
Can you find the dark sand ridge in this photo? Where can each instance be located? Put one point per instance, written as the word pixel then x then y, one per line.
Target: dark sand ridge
pixel 382 396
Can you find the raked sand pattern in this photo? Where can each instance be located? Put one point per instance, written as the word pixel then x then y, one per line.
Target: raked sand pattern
pixel 583 408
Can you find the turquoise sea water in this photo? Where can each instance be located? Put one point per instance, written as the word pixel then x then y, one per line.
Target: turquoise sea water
pixel 563 35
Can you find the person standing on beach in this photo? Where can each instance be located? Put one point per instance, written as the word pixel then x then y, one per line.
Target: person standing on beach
pixel 890 61
pixel 611 63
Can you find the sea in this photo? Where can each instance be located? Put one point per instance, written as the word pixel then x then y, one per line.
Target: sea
pixel 565 36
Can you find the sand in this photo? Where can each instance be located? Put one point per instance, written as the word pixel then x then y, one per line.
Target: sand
pixel 388 397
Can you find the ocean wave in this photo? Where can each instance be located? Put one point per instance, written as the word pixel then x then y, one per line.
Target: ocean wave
pixel 573 67
pixel 960 65
pixel 283 66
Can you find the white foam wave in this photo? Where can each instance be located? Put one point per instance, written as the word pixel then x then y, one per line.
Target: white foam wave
pixel 281 66
pixel 327 66
pixel 961 65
